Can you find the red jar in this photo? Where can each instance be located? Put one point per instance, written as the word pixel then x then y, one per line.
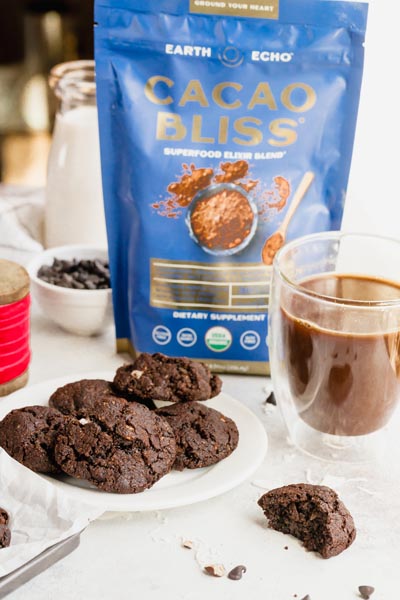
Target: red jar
pixel 14 327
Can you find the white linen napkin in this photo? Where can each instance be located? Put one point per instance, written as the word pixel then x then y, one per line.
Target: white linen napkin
pixel 21 222
pixel 41 514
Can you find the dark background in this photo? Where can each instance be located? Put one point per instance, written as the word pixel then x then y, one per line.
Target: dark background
pixel 76 18
pixel 34 36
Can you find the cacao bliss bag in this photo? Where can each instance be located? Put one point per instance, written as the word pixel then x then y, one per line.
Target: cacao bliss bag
pixel 225 128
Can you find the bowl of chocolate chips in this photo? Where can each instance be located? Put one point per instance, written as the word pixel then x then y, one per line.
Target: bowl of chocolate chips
pixel 71 286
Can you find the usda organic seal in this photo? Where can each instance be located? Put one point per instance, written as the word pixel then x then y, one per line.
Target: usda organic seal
pixel 218 339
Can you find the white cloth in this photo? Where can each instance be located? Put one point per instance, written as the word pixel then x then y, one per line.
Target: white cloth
pixel 21 222
pixel 41 514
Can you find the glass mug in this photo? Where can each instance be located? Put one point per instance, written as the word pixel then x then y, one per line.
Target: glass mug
pixel 334 341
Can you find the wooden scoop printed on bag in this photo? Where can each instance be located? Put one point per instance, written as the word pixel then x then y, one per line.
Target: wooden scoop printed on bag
pixel 277 239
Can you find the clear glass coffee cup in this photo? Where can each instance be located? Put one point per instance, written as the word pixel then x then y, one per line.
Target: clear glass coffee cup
pixel 334 340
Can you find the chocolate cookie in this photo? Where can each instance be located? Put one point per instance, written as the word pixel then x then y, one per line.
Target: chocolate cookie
pixel 77 397
pixel 312 513
pixel 4 518
pixel 159 377
pixel 203 435
pixel 5 536
pixel 28 435
pixel 120 446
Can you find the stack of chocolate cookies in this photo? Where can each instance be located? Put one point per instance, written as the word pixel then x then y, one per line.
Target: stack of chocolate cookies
pixel 112 434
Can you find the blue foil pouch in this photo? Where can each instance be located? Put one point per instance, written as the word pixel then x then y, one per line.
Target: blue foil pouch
pixel 225 129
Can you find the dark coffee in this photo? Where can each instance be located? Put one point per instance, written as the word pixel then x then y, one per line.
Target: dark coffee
pixel 343 357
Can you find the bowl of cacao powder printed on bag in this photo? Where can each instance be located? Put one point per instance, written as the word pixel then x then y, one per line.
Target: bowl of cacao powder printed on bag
pixel 71 285
pixel 222 219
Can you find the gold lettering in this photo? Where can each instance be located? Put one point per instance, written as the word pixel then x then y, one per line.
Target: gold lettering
pixel 255 135
pixel 310 100
pixel 170 121
pixel 223 130
pixel 277 129
pixel 263 96
pixel 150 92
pixel 217 94
pixel 194 93
pixel 196 131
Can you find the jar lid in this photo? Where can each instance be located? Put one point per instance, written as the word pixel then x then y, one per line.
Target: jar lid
pixel 14 282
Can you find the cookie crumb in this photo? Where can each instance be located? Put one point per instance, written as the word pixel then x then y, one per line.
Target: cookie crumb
pixel 187 544
pixel 237 572
pixel 215 570
pixel 366 591
pixel 4 516
pixel 5 536
pixel 306 597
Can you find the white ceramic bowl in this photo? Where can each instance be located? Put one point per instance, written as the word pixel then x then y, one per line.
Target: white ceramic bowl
pixel 82 312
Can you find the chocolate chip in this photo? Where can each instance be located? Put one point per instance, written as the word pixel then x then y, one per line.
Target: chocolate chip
pixel 366 591
pixel 101 268
pixel 74 274
pixel 237 572
pixel 271 399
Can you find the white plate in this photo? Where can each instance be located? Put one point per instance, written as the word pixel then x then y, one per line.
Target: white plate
pixel 176 488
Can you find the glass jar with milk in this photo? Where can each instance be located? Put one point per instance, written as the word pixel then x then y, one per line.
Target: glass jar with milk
pixel 74 211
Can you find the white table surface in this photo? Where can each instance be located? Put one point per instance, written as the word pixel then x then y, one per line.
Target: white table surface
pixel 139 555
